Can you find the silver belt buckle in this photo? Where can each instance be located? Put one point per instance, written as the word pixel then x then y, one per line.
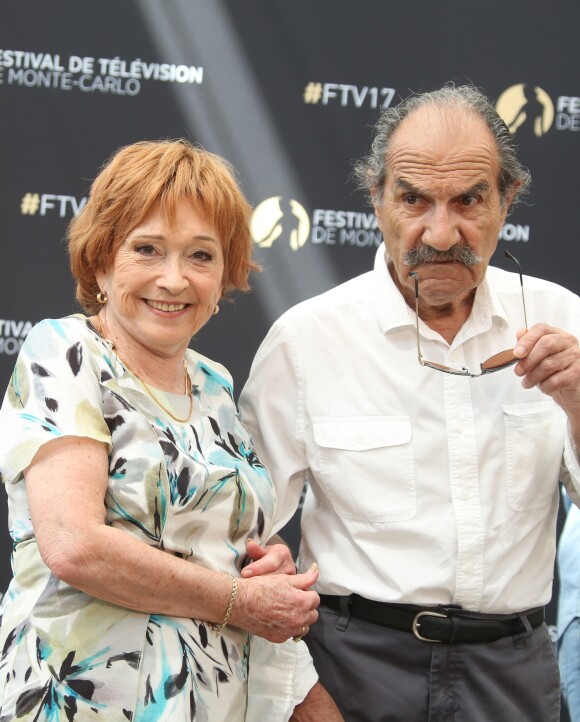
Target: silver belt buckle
pixel 417 624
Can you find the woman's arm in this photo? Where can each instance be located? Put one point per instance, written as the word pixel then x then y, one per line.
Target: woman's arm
pixel 66 485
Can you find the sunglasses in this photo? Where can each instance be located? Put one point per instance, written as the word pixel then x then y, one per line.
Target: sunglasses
pixel 497 362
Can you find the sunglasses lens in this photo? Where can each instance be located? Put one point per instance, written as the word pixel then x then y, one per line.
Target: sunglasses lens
pixel 446 369
pixel 499 360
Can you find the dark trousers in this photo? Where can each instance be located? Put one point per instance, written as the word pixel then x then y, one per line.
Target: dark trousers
pixel 377 674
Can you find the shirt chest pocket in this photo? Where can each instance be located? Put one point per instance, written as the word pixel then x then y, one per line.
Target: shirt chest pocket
pixel 535 435
pixel 365 465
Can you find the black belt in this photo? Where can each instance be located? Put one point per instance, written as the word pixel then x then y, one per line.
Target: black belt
pixel 450 625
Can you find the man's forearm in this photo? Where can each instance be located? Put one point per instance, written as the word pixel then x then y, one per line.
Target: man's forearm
pixel 317 707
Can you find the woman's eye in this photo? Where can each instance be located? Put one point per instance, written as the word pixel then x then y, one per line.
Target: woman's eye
pixel 145 250
pixel 201 256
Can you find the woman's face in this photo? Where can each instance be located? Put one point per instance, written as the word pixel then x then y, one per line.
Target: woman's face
pixel 164 282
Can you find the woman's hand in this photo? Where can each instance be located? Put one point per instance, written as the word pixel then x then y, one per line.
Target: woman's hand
pixel 271 559
pixel 277 606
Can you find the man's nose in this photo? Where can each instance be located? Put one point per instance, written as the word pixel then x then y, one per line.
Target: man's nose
pixel 441 231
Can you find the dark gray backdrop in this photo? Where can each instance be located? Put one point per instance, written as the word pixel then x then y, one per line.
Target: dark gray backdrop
pixel 288 92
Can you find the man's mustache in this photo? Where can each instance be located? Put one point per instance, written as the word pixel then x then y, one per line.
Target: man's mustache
pixel 456 254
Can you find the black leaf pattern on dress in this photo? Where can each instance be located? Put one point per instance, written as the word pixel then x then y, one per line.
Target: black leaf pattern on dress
pixel 226 653
pixel 67 667
pixel 149 696
pixel 192 706
pixel 197 443
pixel 105 376
pixel 215 426
pixel 224 648
pixel 132 659
pixel 232 449
pixel 123 402
pixel 29 699
pixel 74 356
pixel 203 635
pixel 260 521
pixel 113 422
pixel 157 518
pixel 84 687
pixel 220 677
pixel 253 460
pixel 167 431
pixel 39 370
pixel 52 404
pixel 128 714
pixel 9 640
pixel 118 467
pixel 169 450
pixel 70 707
pixel 176 682
pixel 50 423
pixel 27 674
pixel 183 483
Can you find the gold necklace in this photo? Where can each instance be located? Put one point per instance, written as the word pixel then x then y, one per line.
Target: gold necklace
pixel 187 379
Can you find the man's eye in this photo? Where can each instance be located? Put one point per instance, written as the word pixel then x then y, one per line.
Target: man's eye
pixel 467 200
pixel 411 199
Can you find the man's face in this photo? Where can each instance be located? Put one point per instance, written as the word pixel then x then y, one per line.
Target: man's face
pixel 441 196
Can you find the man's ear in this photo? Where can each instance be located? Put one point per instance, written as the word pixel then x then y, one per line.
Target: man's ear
pixel 377 202
pixel 509 199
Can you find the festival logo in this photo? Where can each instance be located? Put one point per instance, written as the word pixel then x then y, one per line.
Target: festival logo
pixel 277 218
pixel 526 110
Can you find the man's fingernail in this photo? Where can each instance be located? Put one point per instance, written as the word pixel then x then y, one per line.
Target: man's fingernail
pixel 246 573
pixel 249 539
pixel 519 351
pixel 313 567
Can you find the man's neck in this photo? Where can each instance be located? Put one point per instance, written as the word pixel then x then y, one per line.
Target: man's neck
pixel 448 319
pixel 445 319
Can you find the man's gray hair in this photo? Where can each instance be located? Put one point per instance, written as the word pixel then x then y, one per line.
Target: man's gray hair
pixel 371 170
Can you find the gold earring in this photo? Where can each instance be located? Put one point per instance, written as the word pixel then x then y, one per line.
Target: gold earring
pixel 102 297
pixel 216 310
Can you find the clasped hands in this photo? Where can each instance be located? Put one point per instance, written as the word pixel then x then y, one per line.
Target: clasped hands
pixel 273 601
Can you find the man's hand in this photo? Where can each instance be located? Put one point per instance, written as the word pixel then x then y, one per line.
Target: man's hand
pixel 271 559
pixel 550 360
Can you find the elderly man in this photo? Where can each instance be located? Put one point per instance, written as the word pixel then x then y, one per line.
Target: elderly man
pixel 433 422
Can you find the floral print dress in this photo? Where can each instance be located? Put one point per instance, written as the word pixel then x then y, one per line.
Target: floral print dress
pixel 195 490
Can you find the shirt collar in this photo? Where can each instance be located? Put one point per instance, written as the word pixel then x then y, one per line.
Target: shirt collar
pixel 392 311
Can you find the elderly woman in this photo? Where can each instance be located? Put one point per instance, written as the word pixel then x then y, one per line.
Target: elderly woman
pixel 132 484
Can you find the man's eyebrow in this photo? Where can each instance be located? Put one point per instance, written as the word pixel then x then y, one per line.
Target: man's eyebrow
pixel 405 185
pixel 479 187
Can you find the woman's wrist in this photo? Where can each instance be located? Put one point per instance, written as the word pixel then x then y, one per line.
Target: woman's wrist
pixel 218 628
